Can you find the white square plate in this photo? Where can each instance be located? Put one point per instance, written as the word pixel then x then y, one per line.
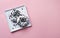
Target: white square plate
pixel 17 18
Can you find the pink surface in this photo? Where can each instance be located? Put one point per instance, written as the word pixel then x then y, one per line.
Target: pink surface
pixel 44 15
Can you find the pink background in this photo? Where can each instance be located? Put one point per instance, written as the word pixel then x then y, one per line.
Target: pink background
pixel 44 15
